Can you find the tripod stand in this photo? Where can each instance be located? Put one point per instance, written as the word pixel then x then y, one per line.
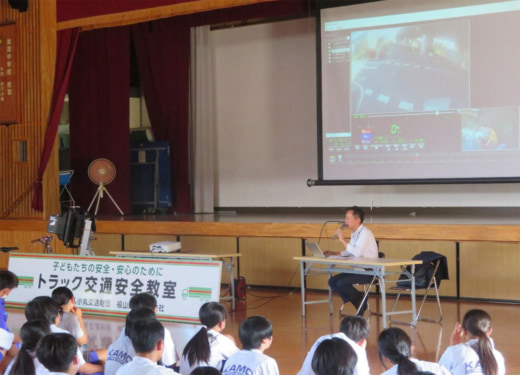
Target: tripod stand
pixel 97 197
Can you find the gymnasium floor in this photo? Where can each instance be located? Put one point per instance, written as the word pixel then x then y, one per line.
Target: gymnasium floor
pixel 293 335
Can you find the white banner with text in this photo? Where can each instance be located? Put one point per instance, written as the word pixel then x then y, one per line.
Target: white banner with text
pixel 104 285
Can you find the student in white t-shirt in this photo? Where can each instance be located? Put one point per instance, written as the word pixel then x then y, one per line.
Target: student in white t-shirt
pixel 26 362
pixel 121 351
pixel 71 320
pixel 148 341
pixel 44 308
pixel 471 350
pixel 72 316
pixel 170 356
pixel 209 347
pixel 395 347
pixel 256 336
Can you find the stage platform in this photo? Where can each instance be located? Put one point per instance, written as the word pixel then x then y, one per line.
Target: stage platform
pixel 477 241
pixel 408 223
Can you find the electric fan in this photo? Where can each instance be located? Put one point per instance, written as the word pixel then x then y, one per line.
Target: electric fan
pixel 102 172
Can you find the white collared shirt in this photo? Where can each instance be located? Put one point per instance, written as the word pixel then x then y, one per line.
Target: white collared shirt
pixel 362 244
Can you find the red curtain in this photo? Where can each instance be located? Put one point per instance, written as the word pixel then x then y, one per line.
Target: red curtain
pixel 65 49
pixel 99 115
pixel 163 57
pixel 163 50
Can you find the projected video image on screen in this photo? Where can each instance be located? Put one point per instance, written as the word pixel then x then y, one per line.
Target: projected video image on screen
pixel 490 129
pixel 420 91
pixel 410 68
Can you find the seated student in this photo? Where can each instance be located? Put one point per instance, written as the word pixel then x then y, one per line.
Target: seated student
pixel 72 321
pixel 148 341
pixel 477 355
pixel 26 362
pixel 256 336
pixel 58 353
pixel 209 347
pixel 170 356
pixel 44 308
pixel 7 346
pixel 72 317
pixel 121 351
pixel 395 346
pixel 8 281
pixel 334 357
pixel 354 330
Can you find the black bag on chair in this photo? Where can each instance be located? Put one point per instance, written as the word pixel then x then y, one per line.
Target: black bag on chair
pixel 424 272
pixel 423 275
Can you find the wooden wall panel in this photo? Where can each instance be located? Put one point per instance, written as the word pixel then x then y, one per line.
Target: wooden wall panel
pixel 24 241
pixel 209 245
pixel 144 15
pixel 213 245
pixel 297 229
pixel 5 151
pixel 105 243
pixel 269 261
pixel 490 271
pixel 22 174
pixel 37 40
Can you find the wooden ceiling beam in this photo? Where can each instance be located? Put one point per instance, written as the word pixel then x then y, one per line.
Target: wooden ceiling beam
pixel 149 14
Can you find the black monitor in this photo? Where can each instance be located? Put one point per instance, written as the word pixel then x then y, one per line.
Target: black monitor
pixel 68 226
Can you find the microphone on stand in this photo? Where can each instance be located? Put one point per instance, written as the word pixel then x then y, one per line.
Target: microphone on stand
pixel 323 227
pixel 343 226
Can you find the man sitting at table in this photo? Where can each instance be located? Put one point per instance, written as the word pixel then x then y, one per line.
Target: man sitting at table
pixel 362 244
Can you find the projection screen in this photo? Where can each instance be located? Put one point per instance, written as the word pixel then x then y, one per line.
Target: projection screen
pixel 419 92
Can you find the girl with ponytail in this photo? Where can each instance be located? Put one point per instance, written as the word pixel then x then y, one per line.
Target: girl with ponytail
pixel 209 347
pixel 395 346
pixel 472 351
pixel 26 362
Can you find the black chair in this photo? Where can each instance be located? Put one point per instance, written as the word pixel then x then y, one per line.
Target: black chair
pixel 427 279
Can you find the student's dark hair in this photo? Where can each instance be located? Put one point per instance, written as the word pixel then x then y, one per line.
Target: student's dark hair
pixel 142 313
pixel 198 349
pixel 62 295
pixel 205 370
pixel 394 344
pixel 478 323
pixel 8 279
pixel 334 357
pixel 355 327
pixel 357 212
pixel 30 333
pixel 43 308
pixel 56 351
pixel 253 330
pixel 143 300
pixel 146 334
